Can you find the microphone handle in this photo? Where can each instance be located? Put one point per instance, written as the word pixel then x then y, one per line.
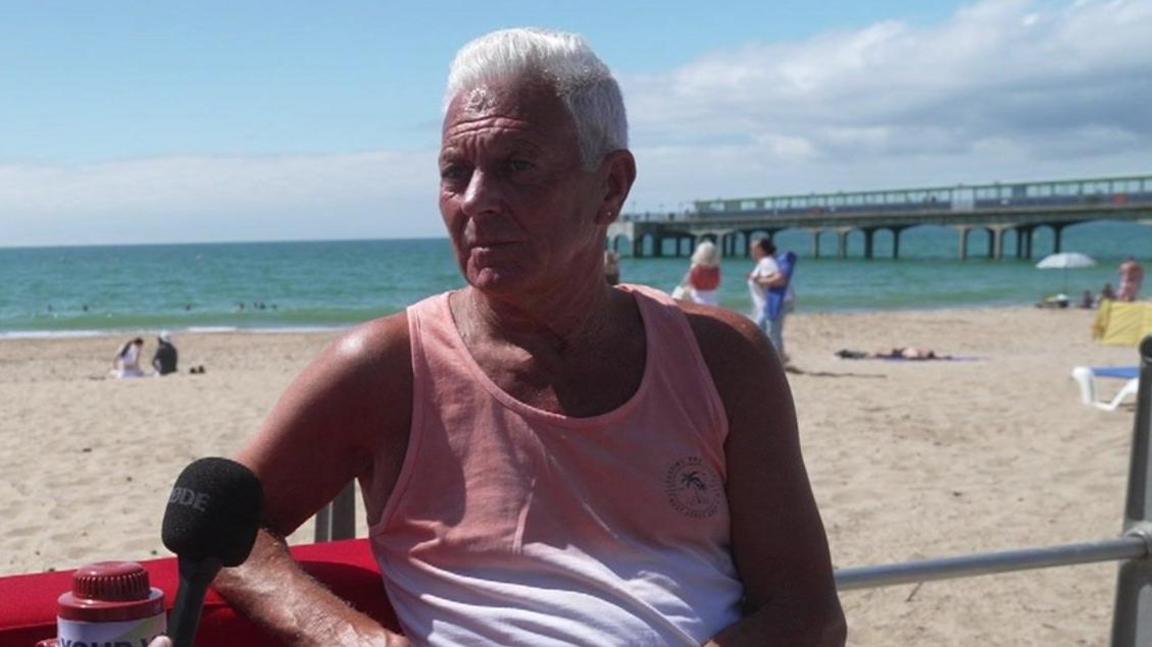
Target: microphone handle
pixel 195 576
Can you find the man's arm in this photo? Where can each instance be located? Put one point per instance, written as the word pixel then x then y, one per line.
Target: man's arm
pixel 351 406
pixel 778 540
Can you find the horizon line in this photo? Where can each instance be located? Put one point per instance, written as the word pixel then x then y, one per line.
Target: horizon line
pixel 220 242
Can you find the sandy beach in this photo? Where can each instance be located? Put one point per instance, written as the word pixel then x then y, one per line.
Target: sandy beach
pixel 908 460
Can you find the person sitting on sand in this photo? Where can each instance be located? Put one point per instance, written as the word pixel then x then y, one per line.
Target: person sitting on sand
pixel 1087 301
pixel 164 360
pixel 127 360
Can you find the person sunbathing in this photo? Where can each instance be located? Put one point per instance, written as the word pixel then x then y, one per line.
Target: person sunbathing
pixel 899 352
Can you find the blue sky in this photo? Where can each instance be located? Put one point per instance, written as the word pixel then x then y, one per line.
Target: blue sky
pixel 175 122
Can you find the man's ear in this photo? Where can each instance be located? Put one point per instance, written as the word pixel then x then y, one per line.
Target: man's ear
pixel 619 172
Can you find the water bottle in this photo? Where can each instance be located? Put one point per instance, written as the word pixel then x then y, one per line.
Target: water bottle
pixel 111 604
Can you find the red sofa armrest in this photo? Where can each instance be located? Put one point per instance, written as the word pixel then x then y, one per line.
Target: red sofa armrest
pixel 28 602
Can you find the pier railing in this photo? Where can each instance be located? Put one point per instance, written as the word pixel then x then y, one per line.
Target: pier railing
pixel 1132 612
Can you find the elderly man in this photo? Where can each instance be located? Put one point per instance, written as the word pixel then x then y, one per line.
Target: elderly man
pixel 546 459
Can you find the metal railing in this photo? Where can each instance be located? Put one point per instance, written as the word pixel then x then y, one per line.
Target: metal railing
pixel 1132 612
pixel 337 520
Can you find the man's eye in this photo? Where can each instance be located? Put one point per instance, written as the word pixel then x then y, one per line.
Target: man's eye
pixel 519 166
pixel 453 172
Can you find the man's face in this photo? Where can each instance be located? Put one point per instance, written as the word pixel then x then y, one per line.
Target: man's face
pixel 518 205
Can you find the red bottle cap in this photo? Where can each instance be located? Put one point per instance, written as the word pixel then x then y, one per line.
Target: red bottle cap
pixel 110 592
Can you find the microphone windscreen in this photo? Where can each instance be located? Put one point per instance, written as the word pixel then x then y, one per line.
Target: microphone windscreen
pixel 213 512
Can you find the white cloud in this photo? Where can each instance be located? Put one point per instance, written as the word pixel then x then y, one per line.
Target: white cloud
pixel 996 92
pixel 221 198
pixel 1003 90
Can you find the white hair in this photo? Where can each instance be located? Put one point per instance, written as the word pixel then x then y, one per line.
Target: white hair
pixel 706 254
pixel 567 63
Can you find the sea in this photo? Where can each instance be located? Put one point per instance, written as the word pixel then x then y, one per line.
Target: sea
pixel 317 285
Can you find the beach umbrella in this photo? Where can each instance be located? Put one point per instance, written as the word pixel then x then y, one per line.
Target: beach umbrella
pixel 1065 261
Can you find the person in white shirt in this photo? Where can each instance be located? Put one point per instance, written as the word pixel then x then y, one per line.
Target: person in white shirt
pixel 127 361
pixel 764 276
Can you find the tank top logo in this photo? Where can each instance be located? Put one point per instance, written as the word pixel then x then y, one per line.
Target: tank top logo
pixel 692 487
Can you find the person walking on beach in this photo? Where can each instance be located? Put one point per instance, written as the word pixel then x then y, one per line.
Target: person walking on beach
pixel 545 458
pixel 1131 278
pixel 767 276
pixel 127 361
pixel 702 282
pixel 164 359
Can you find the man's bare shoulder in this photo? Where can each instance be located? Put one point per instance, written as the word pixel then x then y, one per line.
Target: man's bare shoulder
pixel 729 340
pixel 373 345
pixel 743 365
pixel 358 385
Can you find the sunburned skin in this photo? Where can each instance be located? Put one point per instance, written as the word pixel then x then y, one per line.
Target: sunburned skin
pixel 513 194
pixel 479 100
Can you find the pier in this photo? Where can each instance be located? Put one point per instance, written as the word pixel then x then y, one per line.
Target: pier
pixel 1001 213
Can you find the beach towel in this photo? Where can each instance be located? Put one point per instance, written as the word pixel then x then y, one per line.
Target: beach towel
pixel 778 296
pixel 1119 323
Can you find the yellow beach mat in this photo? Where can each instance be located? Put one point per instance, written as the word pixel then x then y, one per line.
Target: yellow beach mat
pixel 1122 324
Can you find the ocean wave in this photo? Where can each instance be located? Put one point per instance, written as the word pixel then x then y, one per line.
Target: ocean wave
pixel 51 334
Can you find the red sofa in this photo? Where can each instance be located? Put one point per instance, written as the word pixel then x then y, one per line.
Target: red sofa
pixel 28 602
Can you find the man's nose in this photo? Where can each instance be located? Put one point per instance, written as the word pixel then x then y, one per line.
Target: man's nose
pixel 483 194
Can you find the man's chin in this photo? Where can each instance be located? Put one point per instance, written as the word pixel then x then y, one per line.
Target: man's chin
pixel 496 280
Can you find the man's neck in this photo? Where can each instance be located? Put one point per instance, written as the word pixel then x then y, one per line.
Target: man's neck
pixel 561 320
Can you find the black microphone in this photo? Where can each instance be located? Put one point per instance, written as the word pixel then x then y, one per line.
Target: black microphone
pixel 211 521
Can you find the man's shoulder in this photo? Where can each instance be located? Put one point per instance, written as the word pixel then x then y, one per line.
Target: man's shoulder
pixel 380 341
pixel 739 357
pixel 725 337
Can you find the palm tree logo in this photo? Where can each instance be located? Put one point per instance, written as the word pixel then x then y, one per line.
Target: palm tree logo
pixel 692 487
pixel 691 481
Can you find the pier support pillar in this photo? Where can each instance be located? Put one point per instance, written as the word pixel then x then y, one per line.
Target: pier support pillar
pixel 842 242
pixel 996 241
pixel 1024 235
pixel 964 231
pixel 896 231
pixel 1057 237
pixel 816 242
pixel 869 235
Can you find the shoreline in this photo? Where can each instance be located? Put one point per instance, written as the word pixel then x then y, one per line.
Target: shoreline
pixel 24 335
pixel 264 329
pixel 907 459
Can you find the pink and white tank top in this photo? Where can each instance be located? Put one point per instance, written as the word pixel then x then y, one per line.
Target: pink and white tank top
pixel 516 526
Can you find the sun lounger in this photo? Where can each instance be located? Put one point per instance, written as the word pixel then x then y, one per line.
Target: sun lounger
pixel 1086 378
